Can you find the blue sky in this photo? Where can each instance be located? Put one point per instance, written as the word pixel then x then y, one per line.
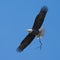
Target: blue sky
pixel 18 15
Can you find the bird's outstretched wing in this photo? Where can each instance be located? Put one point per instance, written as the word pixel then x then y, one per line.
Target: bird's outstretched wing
pixel 40 18
pixel 28 39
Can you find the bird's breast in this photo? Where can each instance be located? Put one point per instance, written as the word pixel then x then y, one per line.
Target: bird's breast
pixel 35 32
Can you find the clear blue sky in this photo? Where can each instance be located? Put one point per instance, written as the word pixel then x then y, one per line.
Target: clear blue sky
pixel 18 15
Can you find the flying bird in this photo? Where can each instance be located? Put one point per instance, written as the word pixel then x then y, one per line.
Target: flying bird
pixel 36 29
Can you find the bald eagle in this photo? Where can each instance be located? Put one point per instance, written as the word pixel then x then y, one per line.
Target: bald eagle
pixel 36 29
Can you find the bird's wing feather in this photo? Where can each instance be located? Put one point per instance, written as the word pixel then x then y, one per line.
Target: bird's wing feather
pixel 28 39
pixel 40 18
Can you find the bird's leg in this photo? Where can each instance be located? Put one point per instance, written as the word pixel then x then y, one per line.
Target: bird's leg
pixel 40 43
